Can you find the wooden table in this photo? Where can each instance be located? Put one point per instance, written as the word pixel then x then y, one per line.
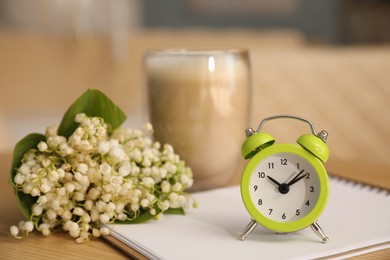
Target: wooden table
pixel 62 246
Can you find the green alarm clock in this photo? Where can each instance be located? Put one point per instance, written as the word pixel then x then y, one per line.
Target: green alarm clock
pixel 285 187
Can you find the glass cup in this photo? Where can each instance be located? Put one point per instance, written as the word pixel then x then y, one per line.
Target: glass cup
pixel 199 102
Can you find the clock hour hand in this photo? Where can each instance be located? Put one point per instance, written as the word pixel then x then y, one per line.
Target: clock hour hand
pixel 282 188
pixel 297 178
pixel 273 180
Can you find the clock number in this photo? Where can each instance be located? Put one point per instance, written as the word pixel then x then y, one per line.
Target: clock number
pixel 271 165
pixel 261 174
pixel 298 212
pixel 270 211
pixel 308 176
pixel 284 216
pixel 307 203
pixel 260 202
pixel 283 161
pixel 255 187
pixel 311 188
pixel 298 166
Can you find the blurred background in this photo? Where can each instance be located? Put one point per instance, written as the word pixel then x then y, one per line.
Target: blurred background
pixel 327 60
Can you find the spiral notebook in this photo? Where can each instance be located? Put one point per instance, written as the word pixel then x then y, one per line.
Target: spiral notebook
pixel 357 221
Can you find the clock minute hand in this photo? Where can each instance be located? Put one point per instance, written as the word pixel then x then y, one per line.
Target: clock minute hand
pixel 297 178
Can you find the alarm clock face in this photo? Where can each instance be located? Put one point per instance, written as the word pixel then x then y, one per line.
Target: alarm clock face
pixel 285 187
pixel 285 191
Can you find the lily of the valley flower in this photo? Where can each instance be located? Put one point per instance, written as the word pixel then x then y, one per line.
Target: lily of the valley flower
pixel 96 177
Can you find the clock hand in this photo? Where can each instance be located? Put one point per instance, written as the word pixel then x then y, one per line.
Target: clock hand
pixel 285 187
pixel 282 188
pixel 296 176
pixel 295 180
pixel 273 180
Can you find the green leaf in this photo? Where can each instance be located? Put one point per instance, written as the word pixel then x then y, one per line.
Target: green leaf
pixel 93 103
pixel 177 211
pixel 25 201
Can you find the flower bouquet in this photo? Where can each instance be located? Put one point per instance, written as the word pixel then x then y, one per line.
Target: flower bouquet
pixel 89 171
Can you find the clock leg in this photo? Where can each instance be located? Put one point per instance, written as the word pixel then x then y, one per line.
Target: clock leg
pixel 318 230
pixel 249 228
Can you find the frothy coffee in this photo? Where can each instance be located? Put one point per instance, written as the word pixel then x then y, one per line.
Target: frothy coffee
pixel 199 104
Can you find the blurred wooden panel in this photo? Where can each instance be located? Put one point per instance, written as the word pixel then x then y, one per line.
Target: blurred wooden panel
pixel 345 90
pixel 337 89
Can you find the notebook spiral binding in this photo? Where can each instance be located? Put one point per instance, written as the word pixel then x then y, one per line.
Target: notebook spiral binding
pixel 363 185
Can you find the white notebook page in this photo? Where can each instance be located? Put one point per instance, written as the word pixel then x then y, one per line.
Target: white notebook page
pixel 356 217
